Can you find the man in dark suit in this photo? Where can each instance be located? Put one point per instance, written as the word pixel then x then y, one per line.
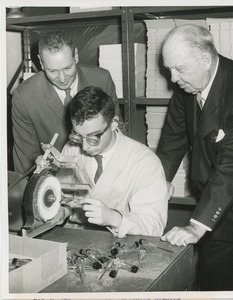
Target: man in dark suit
pixel 39 104
pixel 200 120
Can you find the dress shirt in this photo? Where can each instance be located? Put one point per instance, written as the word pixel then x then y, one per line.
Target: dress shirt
pixel 205 92
pixel 91 163
pixel 73 90
pixel 91 167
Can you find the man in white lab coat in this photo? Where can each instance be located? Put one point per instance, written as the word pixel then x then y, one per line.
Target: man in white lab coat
pixel 130 195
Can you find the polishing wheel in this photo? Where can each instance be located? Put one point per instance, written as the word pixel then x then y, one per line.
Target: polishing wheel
pixel 45 193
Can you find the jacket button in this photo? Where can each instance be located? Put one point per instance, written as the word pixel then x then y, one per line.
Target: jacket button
pixel 213 220
pixel 215 216
pixel 219 208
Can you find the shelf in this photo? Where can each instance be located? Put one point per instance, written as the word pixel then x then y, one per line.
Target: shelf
pixel 99 17
pixel 188 12
pixel 152 101
pixel 126 17
pixel 112 16
pixel 148 101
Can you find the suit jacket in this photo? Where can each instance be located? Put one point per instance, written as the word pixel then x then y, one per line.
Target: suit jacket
pixel 38 113
pixel 133 182
pixel 186 128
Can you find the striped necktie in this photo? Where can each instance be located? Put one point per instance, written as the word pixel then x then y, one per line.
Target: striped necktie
pixel 99 168
pixel 68 97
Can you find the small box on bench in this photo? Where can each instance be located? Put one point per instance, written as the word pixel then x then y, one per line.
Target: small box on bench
pixel 40 263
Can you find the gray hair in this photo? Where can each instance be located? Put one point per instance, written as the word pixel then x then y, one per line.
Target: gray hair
pixel 195 37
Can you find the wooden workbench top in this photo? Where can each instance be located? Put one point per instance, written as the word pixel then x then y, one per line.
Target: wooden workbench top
pixel 160 271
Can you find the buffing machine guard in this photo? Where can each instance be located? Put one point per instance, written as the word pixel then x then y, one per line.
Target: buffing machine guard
pixel 53 190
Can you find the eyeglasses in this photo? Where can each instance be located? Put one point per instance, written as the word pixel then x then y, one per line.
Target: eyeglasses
pixel 92 140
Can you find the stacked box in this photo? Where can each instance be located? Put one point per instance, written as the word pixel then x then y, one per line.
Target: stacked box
pixel 110 58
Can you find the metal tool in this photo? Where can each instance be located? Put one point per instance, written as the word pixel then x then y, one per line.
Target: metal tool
pixel 141 256
pixel 107 268
pixel 52 189
pixel 99 259
pixel 115 268
pixel 155 245
pixel 18 262
pixel 116 249
pixel 115 264
pixel 80 271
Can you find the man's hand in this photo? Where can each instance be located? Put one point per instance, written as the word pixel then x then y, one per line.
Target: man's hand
pixel 98 213
pixel 182 236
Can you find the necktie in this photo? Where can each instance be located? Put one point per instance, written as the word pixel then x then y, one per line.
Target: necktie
pixel 99 168
pixel 68 97
pixel 200 100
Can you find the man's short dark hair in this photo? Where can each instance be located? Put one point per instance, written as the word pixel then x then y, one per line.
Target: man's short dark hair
pixel 90 101
pixel 54 41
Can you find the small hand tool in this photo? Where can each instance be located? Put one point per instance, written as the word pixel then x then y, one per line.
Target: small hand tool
pixel 141 256
pixel 145 242
pixel 108 266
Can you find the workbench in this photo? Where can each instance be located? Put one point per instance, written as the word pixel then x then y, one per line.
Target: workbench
pixel 161 270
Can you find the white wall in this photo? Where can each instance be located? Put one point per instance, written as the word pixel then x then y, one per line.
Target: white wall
pixel 14 56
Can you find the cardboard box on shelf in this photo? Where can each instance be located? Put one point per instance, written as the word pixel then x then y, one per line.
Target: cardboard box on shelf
pixel 47 263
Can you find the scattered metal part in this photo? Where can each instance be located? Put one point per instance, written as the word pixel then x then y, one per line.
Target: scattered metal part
pixel 107 267
pixel 102 261
pixel 80 271
pixel 129 268
pixel 132 246
pixel 94 255
pixel 141 256
pixel 92 259
pixel 115 268
pixel 116 249
pixel 15 263
pixel 155 245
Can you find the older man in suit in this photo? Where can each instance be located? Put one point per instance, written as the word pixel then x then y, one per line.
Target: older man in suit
pixel 39 105
pixel 200 120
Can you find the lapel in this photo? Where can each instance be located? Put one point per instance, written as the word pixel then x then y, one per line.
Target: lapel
pixel 210 114
pixel 82 81
pixel 53 99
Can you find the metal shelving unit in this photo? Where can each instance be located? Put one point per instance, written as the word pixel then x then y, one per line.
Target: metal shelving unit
pixel 71 20
pixel 125 17
pixel 138 14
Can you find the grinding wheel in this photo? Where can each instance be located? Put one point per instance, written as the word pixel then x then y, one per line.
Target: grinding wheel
pixel 47 196
pixel 42 198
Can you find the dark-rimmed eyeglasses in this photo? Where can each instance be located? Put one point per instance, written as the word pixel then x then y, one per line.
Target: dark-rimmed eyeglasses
pixel 92 140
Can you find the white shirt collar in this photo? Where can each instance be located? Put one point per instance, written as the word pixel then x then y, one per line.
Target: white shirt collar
pixel 108 154
pixel 205 92
pixel 73 91
pixel 91 164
